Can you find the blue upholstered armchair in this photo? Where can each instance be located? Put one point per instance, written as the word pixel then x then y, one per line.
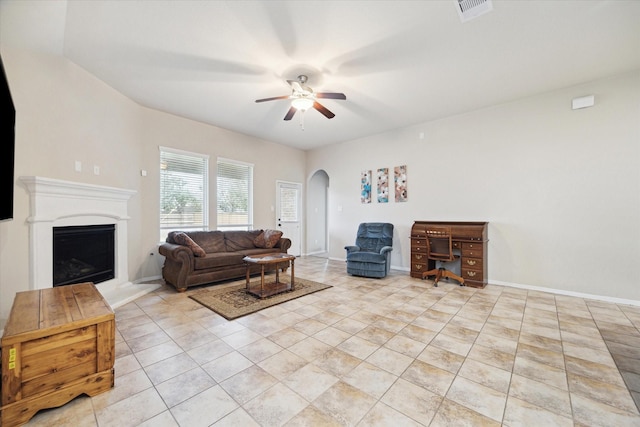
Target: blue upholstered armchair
pixel 371 255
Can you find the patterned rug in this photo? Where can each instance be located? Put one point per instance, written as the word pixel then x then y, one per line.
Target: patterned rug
pixel 233 301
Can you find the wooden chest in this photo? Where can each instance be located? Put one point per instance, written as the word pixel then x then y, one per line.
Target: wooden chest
pixel 58 343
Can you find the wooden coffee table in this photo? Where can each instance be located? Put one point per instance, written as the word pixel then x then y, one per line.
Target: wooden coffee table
pixel 267 289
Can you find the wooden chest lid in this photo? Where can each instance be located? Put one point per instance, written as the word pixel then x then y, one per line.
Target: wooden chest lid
pixel 46 311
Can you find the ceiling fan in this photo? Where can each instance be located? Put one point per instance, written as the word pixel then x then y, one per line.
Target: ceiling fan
pixel 303 98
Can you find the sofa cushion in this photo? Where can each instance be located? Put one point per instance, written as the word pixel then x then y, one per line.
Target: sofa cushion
pixel 183 239
pixel 219 259
pixel 210 241
pixel 239 240
pixel 268 238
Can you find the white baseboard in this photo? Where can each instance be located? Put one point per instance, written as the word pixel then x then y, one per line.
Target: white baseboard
pixel 567 293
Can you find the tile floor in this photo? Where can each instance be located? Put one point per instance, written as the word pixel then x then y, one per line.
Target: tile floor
pixel 367 352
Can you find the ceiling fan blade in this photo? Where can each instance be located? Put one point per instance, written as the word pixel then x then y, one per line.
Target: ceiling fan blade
pixel 331 95
pixel 273 98
pixel 290 113
pixel 328 114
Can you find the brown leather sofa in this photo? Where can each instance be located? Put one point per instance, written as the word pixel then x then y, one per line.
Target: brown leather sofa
pixel 220 256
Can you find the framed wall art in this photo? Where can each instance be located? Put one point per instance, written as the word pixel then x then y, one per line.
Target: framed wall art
pixel 365 186
pixel 400 183
pixel 383 185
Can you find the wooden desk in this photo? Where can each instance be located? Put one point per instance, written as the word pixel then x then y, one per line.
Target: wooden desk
pixel 58 343
pixel 469 237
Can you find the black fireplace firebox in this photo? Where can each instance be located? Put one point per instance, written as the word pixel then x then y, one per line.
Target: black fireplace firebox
pixel 83 254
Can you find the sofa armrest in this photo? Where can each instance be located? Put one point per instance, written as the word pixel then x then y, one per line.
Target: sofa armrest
pixel 175 252
pixel 283 244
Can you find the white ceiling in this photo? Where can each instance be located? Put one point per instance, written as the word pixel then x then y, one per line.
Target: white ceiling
pixel 399 63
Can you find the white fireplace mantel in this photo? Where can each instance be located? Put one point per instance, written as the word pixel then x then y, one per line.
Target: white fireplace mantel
pixel 58 203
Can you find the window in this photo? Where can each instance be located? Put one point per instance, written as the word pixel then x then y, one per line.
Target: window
pixel 183 191
pixel 235 195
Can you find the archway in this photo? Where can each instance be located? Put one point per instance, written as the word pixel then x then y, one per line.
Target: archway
pixel 317 215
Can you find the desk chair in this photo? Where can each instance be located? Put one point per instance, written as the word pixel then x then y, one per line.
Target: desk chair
pixel 439 248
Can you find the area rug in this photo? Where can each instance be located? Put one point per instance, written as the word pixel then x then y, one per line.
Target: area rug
pixel 233 301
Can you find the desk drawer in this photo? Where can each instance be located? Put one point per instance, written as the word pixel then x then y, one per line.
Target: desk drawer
pixel 472 274
pixel 418 243
pixel 471 253
pixel 472 263
pixel 418 257
pixel 419 267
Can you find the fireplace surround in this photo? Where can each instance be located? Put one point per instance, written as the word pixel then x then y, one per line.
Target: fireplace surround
pixel 58 203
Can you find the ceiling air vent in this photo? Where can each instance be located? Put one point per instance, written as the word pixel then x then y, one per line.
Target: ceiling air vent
pixel 469 9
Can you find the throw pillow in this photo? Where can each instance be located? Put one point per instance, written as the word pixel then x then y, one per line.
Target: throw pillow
pixel 268 239
pixel 183 239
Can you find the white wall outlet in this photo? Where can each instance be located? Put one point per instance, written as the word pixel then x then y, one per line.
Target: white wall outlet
pixel 96 170
pixel 78 166
pixel 143 172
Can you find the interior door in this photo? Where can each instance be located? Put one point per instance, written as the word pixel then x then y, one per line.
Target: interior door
pixel 288 213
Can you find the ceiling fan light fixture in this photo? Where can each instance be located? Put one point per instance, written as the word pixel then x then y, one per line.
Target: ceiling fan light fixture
pixel 302 104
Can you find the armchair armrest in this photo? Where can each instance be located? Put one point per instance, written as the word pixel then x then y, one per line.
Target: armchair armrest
pixel 385 249
pixel 350 249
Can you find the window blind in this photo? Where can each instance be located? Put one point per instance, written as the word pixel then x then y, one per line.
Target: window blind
pixel 235 195
pixel 183 191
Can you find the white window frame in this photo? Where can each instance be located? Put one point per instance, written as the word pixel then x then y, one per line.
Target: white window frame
pixel 164 230
pixel 238 226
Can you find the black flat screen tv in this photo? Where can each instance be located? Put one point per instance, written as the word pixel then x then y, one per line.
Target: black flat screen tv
pixel 7 148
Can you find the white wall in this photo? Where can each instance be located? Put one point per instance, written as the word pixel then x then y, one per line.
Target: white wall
pixel 64 114
pixel 560 188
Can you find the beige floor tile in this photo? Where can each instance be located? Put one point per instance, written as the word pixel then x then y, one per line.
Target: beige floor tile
pixel 370 379
pixel 287 337
pixel 358 347
pixel 492 357
pixel 337 362
pixel 382 415
pixel 429 377
pixel 486 375
pixel 247 384
pixel 441 358
pixel 450 413
pixel 521 413
pixel 310 381
pixel 259 350
pixel 540 394
pixel 413 401
pixel 310 348
pixel 238 417
pixel 282 364
pixel 541 355
pixel 163 419
pixel 157 353
pixel 606 393
pixel 390 360
pixel 481 399
pixel 275 406
pixel 205 408
pixel 405 345
pixel 183 386
pixel 132 411
pixel 311 416
pixel 227 366
pixel 593 413
pixel 452 344
pixel 210 351
pixel 331 336
pixel 345 403
pixel 126 386
pixel 537 371
pixel 169 368
pixel 594 370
